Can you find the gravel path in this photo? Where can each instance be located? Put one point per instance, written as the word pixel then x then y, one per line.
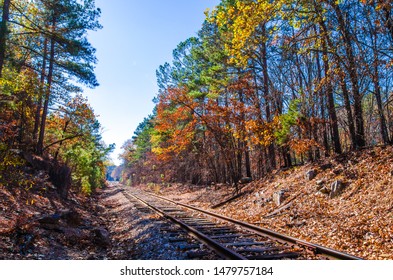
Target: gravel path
pixel 136 233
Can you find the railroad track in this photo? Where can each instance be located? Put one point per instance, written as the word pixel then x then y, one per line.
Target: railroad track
pixel 226 237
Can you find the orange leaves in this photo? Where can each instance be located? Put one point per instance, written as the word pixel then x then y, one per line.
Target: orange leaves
pixel 8 129
pixel 261 133
pixel 228 124
pixel 301 146
pixel 174 124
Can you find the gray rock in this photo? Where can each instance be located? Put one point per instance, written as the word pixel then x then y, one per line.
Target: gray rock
pixel 310 175
pixel 259 197
pixel 320 184
pixel 278 197
pixel 369 235
pixel 336 187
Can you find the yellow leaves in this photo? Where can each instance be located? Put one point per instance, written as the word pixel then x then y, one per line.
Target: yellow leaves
pixel 239 23
pixel 207 12
pixel 30 202
pixel 261 133
pixel 158 150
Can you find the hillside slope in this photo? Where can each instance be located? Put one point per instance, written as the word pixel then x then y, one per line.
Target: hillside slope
pixel 359 220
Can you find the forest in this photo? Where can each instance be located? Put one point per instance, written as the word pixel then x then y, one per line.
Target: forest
pixel 267 85
pixel 46 125
pixel 278 114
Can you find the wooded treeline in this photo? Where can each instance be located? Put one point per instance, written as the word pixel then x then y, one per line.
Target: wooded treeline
pixel 268 84
pixel 45 58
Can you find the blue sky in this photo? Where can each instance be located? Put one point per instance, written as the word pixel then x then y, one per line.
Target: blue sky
pixel 137 37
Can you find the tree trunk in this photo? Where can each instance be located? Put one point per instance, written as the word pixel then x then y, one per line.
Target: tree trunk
pixel 40 144
pixel 61 142
pixel 39 102
pixel 322 105
pixel 377 93
pixel 330 103
pixel 286 156
pixel 347 105
pixel 248 163
pixel 239 161
pixel 382 120
pixel 358 110
pixel 3 33
pixel 271 150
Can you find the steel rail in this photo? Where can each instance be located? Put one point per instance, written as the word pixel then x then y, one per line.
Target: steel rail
pixel 212 244
pixel 318 249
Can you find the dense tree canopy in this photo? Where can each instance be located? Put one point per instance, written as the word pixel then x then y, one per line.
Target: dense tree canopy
pixel 45 57
pixel 269 84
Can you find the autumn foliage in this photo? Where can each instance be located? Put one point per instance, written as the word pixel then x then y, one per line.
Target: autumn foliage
pixel 45 123
pixel 268 84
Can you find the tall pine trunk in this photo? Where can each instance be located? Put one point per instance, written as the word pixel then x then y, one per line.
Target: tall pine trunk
pixel 41 93
pixel 3 33
pixel 40 145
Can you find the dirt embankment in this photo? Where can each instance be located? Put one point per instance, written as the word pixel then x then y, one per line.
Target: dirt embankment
pixel 356 219
pixel 38 224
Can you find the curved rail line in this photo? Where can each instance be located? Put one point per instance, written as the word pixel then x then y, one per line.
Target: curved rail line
pixel 230 241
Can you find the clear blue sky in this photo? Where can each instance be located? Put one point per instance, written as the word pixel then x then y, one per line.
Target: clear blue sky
pixel 137 37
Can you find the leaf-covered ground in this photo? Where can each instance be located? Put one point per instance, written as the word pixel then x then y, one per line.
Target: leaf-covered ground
pixel 35 224
pixel 358 221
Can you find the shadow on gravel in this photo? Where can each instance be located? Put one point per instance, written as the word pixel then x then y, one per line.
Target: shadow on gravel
pixel 111 193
